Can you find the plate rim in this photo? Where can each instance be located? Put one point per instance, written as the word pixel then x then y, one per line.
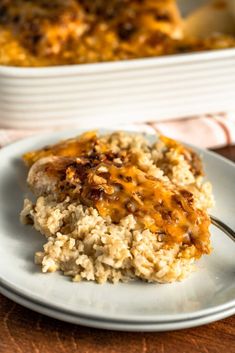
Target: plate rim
pixel 78 314
pixel 117 326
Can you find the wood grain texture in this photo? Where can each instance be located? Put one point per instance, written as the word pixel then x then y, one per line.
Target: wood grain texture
pixel 24 331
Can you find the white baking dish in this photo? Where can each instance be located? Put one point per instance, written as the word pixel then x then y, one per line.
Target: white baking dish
pixel 104 93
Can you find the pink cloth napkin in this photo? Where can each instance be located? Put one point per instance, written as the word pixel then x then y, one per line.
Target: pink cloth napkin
pixel 206 131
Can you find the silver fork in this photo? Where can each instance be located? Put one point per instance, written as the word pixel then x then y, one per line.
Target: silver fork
pixel 222 226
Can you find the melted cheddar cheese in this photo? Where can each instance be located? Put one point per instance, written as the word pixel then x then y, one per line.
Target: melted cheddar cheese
pixel 157 207
pixel 86 169
pixel 68 148
pixel 82 31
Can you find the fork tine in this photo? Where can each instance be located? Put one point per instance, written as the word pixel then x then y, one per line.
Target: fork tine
pixel 222 226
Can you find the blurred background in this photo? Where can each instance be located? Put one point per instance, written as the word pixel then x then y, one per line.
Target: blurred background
pixel 142 65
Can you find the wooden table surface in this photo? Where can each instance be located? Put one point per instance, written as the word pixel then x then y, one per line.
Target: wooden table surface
pixel 24 331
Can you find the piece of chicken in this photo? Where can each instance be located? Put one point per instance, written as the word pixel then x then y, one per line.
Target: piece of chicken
pixel 44 175
pixel 116 191
pixel 73 147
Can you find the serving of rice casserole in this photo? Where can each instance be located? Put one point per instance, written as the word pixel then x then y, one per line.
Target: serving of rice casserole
pixel 35 33
pixel 116 207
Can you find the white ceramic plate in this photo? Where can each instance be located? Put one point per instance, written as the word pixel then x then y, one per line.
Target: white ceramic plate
pixel 209 292
pixel 112 325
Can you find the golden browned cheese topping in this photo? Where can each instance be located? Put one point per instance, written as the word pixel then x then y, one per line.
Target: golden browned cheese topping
pixel 63 32
pixel 81 31
pixel 89 171
pixel 68 148
pixel 155 205
pixel 119 191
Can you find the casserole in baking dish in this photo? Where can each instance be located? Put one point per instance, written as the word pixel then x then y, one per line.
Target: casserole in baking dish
pixel 101 93
pixel 41 33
